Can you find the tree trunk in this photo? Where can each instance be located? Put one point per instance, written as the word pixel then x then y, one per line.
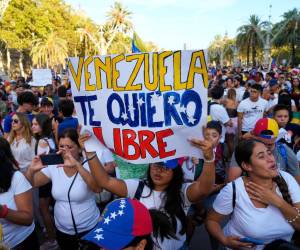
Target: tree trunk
pixel 8 61
pixel 253 51
pixel 21 64
pixel 293 53
pixel 248 53
pixel 1 62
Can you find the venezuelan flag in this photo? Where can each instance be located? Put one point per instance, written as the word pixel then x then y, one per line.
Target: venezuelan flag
pixel 137 44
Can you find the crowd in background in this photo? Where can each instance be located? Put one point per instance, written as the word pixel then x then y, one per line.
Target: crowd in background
pixel 248 177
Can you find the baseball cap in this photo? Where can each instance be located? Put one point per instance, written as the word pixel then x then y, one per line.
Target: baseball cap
pixel 266 128
pixel 121 221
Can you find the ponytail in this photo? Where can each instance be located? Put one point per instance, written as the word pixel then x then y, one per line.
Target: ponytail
pixel 283 187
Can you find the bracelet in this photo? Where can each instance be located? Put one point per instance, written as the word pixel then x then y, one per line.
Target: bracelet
pixel 296 217
pixel 210 161
pixel 4 211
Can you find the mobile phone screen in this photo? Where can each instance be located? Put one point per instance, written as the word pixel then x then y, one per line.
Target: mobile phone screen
pixel 52 159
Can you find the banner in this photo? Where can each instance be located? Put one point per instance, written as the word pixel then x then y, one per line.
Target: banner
pixel 143 106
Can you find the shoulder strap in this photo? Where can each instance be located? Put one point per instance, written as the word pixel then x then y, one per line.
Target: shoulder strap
pixel 73 219
pixel 233 194
pixel 139 190
pixel 210 103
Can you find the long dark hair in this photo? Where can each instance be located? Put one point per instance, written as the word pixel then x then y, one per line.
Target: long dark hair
pixel 243 153
pixel 45 124
pixel 173 199
pixel 70 133
pixel 6 167
pixel 5 147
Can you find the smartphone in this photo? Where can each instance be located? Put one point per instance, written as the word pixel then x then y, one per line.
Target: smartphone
pixel 251 240
pixel 52 159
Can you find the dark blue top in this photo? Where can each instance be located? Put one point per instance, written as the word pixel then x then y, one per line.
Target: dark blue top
pixel 68 122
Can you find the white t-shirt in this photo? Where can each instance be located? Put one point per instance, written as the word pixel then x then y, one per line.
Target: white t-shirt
pixel 14 234
pixel 252 111
pixel 273 102
pixel 240 93
pixel 154 201
pixel 266 224
pixel 23 152
pixel 85 211
pixel 219 113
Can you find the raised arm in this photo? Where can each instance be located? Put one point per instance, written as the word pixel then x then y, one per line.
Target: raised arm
pixel 113 185
pixel 204 184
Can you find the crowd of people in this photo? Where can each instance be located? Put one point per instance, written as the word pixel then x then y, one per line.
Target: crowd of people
pixel 245 188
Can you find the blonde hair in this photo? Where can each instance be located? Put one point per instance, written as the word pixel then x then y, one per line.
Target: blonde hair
pixel 27 134
pixel 231 94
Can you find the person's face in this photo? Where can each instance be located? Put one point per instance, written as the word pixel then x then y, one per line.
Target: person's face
pixel 35 91
pixel 49 90
pixel 35 127
pixel 46 109
pixel 212 135
pixel 19 90
pixel 268 77
pixel 282 117
pixel 66 145
pixel 254 94
pixel 281 78
pixel 296 82
pixel 160 175
pixel 274 88
pixel 236 83
pixel 266 94
pixel 230 84
pixel 16 124
pixel 28 107
pixel 262 163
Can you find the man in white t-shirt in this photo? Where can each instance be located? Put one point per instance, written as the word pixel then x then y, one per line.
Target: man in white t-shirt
pixel 238 88
pixel 250 110
pixel 217 111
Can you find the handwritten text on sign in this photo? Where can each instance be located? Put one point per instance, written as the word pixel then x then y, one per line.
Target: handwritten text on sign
pixel 143 106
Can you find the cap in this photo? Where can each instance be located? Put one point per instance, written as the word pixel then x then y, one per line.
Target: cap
pixel 171 164
pixel 264 126
pixel 121 221
pixel 46 101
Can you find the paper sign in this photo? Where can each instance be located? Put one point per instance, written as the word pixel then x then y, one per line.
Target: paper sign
pixel 41 77
pixel 144 106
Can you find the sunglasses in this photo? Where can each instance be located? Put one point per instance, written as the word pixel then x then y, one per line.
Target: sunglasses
pixel 16 121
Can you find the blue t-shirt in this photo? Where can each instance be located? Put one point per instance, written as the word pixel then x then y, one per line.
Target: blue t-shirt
pixel 8 121
pixel 68 122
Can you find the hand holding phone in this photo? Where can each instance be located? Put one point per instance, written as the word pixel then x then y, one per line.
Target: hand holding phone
pixel 251 240
pixel 52 159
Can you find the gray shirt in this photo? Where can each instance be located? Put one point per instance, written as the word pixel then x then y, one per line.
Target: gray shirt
pixel 292 167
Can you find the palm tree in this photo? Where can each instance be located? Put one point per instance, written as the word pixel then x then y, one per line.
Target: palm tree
pixel 290 35
pixel 249 37
pixel 49 52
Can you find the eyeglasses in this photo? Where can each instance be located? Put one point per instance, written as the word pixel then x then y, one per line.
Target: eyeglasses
pixel 161 168
pixel 16 121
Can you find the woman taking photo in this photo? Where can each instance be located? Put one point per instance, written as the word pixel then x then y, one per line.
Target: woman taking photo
pixel 16 212
pixel 42 130
pixel 21 141
pixel 75 210
pixel 163 189
pixel 264 204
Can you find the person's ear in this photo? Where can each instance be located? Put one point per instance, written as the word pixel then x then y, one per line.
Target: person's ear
pixel 246 166
pixel 142 244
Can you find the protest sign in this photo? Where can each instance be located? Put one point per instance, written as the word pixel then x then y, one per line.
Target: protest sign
pixel 143 106
pixel 41 77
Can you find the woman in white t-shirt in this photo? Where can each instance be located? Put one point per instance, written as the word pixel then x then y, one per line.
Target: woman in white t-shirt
pixel 265 205
pixel 16 210
pixel 73 187
pixel 21 140
pixel 163 189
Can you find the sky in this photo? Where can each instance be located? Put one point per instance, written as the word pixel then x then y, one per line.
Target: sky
pixel 172 23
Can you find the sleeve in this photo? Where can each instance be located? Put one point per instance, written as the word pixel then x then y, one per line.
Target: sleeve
pixel 46 171
pixel 184 188
pixel 220 114
pixel 20 184
pixel 293 165
pixel 7 124
pixel 223 202
pixel 132 185
pixel 294 188
pixel 240 108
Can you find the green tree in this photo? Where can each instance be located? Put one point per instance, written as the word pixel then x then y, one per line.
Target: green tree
pixel 249 37
pixel 49 52
pixel 290 34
